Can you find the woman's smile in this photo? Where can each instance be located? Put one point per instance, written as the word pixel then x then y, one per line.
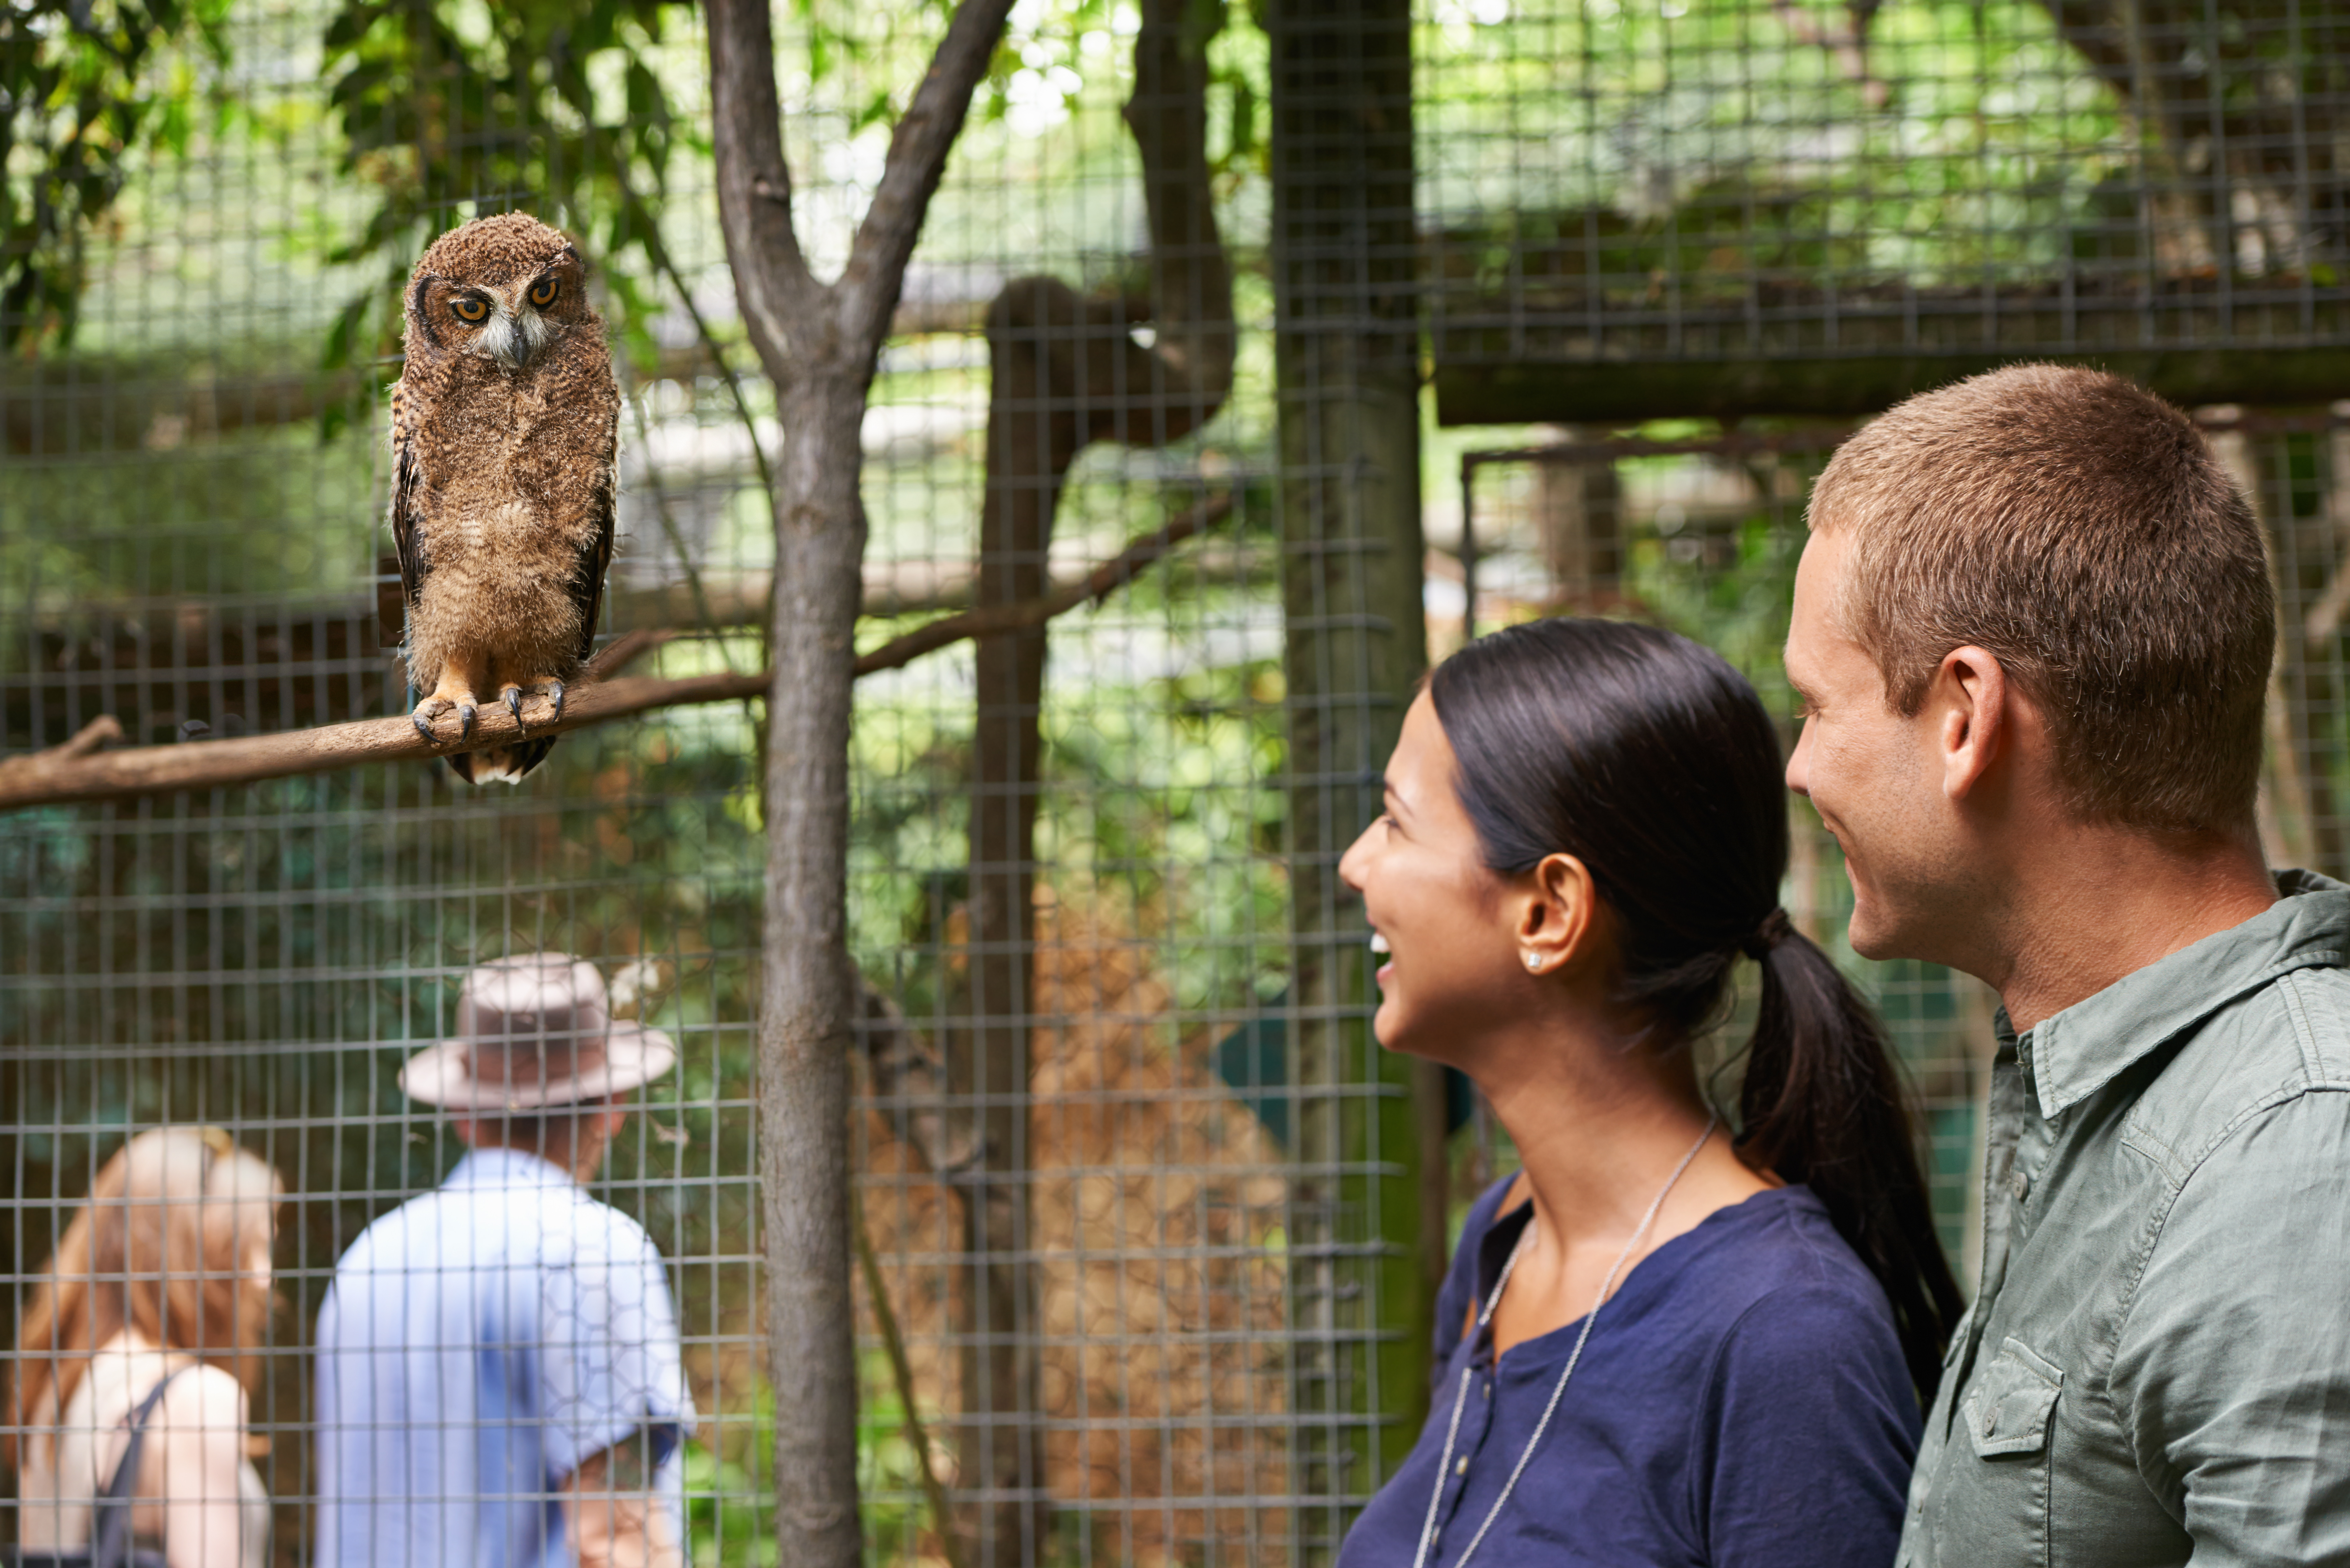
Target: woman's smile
pixel 1422 877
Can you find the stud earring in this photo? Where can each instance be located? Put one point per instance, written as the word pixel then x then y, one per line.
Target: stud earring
pixel 1533 960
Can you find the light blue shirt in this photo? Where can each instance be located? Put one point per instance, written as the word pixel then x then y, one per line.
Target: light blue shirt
pixel 478 1345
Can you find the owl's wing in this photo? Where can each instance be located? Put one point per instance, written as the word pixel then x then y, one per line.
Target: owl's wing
pixel 587 591
pixel 413 562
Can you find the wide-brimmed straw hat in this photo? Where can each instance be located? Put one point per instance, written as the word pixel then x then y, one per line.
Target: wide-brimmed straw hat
pixel 534 1031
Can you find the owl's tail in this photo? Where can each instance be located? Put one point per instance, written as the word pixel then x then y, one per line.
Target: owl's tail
pixel 507 763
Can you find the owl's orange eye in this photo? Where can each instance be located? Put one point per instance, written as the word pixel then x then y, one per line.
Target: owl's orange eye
pixel 542 292
pixel 468 308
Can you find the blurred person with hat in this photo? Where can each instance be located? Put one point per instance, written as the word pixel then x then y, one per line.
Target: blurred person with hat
pixel 499 1377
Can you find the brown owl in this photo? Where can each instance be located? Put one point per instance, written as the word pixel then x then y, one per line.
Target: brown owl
pixel 502 428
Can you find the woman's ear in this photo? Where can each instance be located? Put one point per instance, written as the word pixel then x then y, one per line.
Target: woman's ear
pixel 1556 914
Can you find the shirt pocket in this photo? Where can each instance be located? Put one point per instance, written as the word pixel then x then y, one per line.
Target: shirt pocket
pixel 1999 1504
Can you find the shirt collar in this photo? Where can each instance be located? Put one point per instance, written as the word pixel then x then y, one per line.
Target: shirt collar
pixel 2079 1051
pixel 507 1167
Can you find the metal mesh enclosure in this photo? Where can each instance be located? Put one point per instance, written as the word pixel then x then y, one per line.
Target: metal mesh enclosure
pixel 1147 1218
pixel 191 522
pixel 1797 208
pixel 193 543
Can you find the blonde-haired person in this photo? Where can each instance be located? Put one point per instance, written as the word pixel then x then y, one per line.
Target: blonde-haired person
pixel 162 1281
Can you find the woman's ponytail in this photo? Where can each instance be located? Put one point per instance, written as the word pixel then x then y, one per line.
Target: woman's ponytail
pixel 1652 761
pixel 1823 1104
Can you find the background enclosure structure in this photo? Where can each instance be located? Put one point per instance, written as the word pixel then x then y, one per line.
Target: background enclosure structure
pixel 1152 1214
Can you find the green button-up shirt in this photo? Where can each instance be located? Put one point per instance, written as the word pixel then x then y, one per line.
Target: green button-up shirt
pixel 2156 1366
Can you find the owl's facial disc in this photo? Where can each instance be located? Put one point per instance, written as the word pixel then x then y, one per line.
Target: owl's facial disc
pixel 512 320
pixel 505 327
pixel 516 333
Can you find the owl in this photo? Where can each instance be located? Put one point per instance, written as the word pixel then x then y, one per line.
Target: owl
pixel 503 432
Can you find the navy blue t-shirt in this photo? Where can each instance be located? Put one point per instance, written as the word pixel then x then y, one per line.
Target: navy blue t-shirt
pixel 1742 1403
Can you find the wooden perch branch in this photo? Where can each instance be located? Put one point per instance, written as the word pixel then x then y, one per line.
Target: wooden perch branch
pixel 52 776
pixel 80 770
pixel 995 620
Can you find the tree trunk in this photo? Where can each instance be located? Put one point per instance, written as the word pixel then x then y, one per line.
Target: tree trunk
pixel 807 996
pixel 999 1446
pixel 818 343
pixel 1065 371
pixel 1347 363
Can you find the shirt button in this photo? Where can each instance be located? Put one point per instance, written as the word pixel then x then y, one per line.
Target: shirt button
pixel 2019 1184
pixel 1990 1424
pixel 1462 1468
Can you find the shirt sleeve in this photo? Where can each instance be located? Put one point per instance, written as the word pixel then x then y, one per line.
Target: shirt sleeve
pixel 609 1365
pixel 2232 1370
pixel 1810 1429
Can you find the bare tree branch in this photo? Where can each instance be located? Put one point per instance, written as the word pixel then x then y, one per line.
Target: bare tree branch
pixel 56 775
pixel 1025 615
pixel 774 289
pixel 901 1371
pixel 79 770
pixel 867 290
pixel 64 773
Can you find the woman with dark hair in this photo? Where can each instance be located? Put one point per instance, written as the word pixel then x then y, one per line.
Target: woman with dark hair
pixel 1658 1343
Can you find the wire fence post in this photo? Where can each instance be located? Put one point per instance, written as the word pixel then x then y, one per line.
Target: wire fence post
pixel 1347 383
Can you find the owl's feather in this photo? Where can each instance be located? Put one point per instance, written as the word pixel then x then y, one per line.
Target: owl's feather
pixel 504 425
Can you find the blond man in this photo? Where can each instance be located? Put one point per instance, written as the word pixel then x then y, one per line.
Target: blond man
pixel 2031 635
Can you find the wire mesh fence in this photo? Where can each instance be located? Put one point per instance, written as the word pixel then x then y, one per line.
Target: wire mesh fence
pixel 1143 1209
pixel 1781 208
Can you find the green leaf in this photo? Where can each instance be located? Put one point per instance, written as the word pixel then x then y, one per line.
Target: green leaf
pixel 349 26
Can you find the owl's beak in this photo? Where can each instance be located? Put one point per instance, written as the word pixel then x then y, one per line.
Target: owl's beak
pixel 514 337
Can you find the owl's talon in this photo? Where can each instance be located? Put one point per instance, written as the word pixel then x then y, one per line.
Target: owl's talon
pixel 512 697
pixel 465 714
pixel 555 695
pixel 424 729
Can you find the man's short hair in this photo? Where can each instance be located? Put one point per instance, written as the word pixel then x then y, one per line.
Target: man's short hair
pixel 2082 531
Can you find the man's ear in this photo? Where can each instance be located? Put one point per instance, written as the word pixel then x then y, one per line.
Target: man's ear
pixel 1557 906
pixel 1974 730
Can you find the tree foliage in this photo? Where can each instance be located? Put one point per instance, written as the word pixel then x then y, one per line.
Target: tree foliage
pixel 81 95
pixel 447 113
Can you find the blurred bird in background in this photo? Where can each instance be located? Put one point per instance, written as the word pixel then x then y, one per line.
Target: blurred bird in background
pixel 503 432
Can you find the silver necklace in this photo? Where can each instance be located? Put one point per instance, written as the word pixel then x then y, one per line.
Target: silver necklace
pixel 1461 1398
